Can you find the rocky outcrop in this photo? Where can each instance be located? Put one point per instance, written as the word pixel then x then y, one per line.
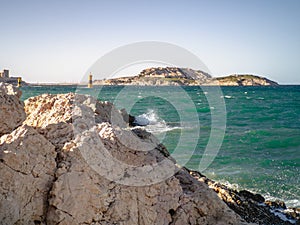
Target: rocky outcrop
pixel 174 72
pixel 11 108
pixel 164 76
pixel 75 161
pixel 113 195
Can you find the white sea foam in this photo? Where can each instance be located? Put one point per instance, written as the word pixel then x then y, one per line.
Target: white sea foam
pixel 227 96
pixel 153 123
pixel 233 186
pixel 293 203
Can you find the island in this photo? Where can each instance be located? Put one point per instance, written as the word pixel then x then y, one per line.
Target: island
pixel 169 76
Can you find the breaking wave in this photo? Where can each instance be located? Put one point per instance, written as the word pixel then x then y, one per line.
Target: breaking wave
pixel 153 123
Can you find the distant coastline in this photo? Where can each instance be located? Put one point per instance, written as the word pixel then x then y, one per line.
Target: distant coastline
pixel 166 76
pixel 54 84
pixel 173 76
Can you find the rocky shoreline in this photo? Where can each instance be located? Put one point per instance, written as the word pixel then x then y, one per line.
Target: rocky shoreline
pixel 50 174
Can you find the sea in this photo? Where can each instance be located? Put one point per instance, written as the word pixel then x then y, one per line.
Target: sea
pixel 245 137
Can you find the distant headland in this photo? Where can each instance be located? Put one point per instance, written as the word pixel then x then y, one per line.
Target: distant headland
pixel 164 76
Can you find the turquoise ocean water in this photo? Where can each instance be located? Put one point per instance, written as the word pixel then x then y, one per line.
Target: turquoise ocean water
pixel 261 148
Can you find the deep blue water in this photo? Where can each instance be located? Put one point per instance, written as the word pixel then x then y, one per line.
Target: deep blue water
pixel 261 147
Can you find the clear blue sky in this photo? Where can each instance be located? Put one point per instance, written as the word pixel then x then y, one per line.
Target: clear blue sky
pixel 57 41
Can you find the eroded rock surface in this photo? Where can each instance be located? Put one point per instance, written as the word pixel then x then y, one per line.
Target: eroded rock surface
pixel 12 112
pixel 27 167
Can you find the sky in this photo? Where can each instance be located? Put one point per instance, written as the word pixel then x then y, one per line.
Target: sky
pixel 58 41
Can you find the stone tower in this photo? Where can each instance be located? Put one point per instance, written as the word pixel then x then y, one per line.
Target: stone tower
pixel 5 74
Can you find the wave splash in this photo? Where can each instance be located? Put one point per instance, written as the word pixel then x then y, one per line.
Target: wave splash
pixel 153 123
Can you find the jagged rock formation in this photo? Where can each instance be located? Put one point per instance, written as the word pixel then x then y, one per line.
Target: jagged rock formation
pixel 11 108
pixel 185 76
pixel 56 169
